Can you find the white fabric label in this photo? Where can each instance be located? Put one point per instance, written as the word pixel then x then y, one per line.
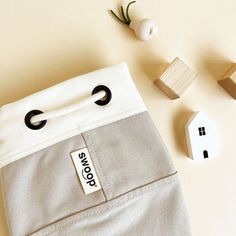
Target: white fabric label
pixel 85 171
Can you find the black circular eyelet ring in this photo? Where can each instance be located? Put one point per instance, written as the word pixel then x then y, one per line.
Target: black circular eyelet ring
pixel 37 126
pixel 104 101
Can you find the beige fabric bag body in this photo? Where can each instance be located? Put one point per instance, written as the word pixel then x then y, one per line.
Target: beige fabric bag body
pixel 97 170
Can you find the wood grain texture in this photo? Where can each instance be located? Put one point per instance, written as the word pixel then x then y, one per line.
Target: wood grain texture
pixel 229 81
pixel 176 79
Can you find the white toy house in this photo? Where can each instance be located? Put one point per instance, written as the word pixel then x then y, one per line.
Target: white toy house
pixel 202 138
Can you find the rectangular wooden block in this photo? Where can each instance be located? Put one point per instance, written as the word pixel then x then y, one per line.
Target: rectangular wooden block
pixel 176 79
pixel 229 81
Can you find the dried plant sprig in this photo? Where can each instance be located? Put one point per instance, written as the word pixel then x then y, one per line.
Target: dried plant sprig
pixel 127 11
pixel 123 14
pixel 118 18
pixel 125 19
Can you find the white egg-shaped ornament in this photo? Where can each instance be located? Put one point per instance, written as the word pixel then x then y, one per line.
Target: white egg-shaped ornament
pixel 144 29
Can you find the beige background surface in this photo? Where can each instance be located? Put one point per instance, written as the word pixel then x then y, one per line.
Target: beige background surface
pixel 46 42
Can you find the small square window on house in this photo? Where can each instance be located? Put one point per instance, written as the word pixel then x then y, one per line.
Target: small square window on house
pixel 202 131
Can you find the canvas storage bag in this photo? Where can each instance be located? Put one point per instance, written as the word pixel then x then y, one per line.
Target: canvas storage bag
pixel 84 158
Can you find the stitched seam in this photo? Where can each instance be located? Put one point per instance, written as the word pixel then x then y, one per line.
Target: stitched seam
pixel 147 189
pixel 145 185
pixel 156 184
pixel 93 163
pixel 102 122
pixel 100 166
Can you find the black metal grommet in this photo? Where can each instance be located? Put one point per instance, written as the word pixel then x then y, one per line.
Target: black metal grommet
pixel 107 98
pixel 37 126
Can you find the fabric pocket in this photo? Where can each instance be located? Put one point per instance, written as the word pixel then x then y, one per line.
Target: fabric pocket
pixel 128 153
pixel 153 209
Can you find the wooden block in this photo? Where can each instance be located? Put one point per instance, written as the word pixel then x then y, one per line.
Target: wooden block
pixel 176 79
pixel 202 138
pixel 228 82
